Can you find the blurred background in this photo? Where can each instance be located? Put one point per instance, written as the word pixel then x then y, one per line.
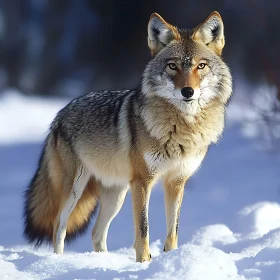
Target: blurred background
pixel 70 47
pixel 54 50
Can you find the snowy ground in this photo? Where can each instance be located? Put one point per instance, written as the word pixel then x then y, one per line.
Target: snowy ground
pixel 230 218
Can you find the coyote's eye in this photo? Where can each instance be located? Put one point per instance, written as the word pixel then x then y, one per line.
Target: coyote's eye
pixel 201 65
pixel 172 66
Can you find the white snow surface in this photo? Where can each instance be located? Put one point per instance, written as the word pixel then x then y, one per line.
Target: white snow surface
pixel 230 217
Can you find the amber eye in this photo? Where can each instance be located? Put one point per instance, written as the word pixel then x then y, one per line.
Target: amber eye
pixel 201 65
pixel 172 66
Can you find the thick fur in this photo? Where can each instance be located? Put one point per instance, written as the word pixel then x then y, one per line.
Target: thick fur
pixel 44 196
pixel 132 138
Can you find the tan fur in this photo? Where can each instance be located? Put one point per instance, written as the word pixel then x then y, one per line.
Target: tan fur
pixel 94 152
pixel 156 47
pixel 84 207
pixel 189 135
pixel 141 186
pixel 174 128
pixel 173 195
pixel 52 198
pixel 140 190
pixel 198 36
pixel 170 26
pixel 207 124
pixel 191 79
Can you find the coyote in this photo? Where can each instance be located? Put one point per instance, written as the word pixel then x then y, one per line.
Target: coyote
pixel 104 143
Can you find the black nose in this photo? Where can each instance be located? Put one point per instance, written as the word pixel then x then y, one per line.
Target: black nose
pixel 187 92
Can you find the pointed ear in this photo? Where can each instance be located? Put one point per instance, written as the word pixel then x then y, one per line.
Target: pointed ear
pixel 160 33
pixel 211 33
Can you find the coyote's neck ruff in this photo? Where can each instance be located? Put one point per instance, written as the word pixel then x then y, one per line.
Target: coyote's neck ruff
pixel 190 132
pixel 104 142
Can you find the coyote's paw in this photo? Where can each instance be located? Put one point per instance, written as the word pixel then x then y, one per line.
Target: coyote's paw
pixel 146 257
pixel 170 244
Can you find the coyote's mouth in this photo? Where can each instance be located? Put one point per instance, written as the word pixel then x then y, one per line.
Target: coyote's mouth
pixel 188 100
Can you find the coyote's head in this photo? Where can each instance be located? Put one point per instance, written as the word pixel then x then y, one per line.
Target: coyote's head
pixel 187 69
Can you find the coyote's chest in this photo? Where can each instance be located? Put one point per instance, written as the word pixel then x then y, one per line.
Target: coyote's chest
pixel 174 153
pixel 159 163
pixel 179 142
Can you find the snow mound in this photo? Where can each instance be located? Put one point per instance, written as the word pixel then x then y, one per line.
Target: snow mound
pixel 194 262
pixel 214 252
pixel 264 216
pixel 188 262
pixel 207 236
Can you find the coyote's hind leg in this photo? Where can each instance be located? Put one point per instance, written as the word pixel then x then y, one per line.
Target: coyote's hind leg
pixel 80 182
pixel 111 200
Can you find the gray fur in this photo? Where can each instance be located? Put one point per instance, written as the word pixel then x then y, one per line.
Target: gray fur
pixel 133 137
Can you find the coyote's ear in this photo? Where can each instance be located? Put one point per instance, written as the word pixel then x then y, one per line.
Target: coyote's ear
pixel 160 33
pixel 211 33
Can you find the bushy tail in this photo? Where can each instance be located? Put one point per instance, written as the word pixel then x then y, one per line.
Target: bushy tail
pixel 43 198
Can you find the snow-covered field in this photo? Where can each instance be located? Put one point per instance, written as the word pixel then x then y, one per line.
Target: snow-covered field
pixel 230 218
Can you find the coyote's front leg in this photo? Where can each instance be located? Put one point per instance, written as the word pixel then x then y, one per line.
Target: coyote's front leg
pixel 141 191
pixel 173 196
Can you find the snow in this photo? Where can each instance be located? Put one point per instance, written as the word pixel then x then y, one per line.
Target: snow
pixel 230 217
pixel 26 119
